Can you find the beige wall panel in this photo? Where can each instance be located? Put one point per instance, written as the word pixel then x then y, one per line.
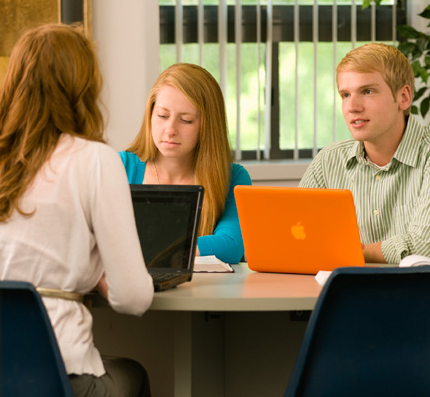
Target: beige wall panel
pixel 3 65
pixel 16 16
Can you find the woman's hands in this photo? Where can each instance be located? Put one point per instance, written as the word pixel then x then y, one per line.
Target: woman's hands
pixel 102 287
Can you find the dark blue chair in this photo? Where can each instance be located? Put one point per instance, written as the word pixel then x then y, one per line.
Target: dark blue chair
pixel 30 360
pixel 368 335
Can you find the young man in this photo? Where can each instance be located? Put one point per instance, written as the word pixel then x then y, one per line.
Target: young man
pixel 387 163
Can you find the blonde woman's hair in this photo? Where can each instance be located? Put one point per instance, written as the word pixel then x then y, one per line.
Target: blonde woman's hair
pixel 394 67
pixel 212 157
pixel 51 87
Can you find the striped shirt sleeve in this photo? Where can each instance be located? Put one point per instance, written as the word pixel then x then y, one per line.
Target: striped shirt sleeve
pixel 392 202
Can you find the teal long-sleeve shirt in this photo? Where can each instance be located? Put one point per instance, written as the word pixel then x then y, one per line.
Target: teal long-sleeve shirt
pixel 226 242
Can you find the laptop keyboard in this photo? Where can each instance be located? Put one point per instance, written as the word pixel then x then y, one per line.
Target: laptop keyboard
pixel 163 281
pixel 159 277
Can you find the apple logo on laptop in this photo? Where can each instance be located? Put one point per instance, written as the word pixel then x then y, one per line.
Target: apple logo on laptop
pixel 298 231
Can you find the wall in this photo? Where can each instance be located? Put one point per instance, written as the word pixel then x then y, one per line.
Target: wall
pixel 276 172
pixel 127 33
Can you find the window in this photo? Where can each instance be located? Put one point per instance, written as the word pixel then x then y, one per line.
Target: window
pixel 291 46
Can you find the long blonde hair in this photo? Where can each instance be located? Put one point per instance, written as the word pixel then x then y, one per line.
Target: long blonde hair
pixel 51 87
pixel 212 157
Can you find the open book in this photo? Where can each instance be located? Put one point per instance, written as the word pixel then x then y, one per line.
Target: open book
pixel 211 264
pixel 414 260
pixel 322 276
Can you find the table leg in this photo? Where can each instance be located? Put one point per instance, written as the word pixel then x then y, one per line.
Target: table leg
pixel 198 354
pixel 183 354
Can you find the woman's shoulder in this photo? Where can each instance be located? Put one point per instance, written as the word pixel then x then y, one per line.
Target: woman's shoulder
pixel 240 175
pixel 76 146
pixel 80 155
pixel 238 168
pixel 130 158
pixel 134 166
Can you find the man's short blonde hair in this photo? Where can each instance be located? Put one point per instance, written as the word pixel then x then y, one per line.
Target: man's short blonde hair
pixel 394 67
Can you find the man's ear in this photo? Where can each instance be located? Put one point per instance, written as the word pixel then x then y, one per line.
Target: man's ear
pixel 404 97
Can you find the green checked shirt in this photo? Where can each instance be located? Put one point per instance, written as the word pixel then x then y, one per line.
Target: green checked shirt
pixel 392 202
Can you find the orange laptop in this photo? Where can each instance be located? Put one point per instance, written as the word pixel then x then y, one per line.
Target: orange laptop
pixel 298 230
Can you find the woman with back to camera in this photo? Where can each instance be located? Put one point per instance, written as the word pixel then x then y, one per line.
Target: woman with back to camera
pixel 183 140
pixel 66 216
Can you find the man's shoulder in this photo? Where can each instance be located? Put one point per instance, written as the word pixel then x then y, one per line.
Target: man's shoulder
pixel 426 135
pixel 422 139
pixel 417 132
pixel 339 148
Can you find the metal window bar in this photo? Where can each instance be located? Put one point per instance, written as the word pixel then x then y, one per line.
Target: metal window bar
pixel 238 41
pixel 179 31
pixel 353 24
pixel 296 80
pixel 222 40
pixel 258 41
pixel 373 22
pixel 268 89
pixel 334 38
pixel 200 30
pixel 315 36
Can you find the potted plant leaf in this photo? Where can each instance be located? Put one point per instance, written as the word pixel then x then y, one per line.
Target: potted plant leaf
pixel 417 48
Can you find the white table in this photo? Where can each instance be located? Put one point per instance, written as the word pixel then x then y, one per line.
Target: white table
pixel 228 333
pixel 243 290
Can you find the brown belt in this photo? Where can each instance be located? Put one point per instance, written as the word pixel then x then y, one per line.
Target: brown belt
pixel 56 293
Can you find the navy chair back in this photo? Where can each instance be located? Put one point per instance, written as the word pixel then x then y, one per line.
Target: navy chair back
pixel 30 360
pixel 368 335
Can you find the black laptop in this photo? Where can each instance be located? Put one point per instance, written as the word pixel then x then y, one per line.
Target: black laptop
pixel 167 220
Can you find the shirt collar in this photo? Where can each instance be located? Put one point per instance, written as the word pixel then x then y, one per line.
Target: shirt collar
pixel 355 154
pixel 406 153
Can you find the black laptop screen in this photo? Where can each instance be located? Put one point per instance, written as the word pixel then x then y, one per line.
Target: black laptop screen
pixel 167 221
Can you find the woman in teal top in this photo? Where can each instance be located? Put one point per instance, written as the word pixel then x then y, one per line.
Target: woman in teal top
pixel 184 140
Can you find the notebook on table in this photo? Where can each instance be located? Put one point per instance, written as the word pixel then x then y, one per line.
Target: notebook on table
pixel 298 230
pixel 167 220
